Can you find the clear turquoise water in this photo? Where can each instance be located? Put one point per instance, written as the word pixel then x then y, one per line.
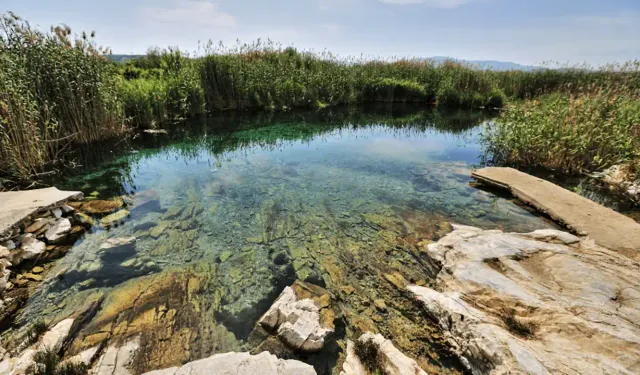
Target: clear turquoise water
pixel 305 185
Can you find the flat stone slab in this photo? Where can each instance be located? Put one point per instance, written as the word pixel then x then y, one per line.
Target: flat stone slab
pixel 606 227
pixel 15 206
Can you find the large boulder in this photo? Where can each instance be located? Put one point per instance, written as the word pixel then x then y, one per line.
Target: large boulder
pixel 301 317
pixel 240 364
pixel 536 303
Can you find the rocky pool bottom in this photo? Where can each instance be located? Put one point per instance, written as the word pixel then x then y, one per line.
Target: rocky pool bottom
pixel 304 239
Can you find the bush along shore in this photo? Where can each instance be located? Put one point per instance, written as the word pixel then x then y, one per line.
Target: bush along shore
pixel 57 89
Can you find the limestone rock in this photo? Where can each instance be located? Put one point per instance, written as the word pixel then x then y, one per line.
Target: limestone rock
pixel 116 360
pixel 58 231
pixel 240 364
pixel 297 321
pixel 394 361
pixel 115 218
pixel 10 245
pixel 536 303
pixel 55 337
pixel 29 249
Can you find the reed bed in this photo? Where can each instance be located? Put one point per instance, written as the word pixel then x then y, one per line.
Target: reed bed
pixel 57 89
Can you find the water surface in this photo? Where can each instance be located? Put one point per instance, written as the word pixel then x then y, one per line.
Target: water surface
pixel 338 198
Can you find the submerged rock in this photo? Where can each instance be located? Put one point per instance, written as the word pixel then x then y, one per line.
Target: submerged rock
pixel 533 303
pixel 102 207
pixel 115 218
pixel 240 364
pixel 297 320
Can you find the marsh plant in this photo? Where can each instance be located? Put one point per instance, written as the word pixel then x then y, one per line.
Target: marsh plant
pixel 57 89
pixel 54 89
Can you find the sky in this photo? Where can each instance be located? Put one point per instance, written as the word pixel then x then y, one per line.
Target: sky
pixel 523 31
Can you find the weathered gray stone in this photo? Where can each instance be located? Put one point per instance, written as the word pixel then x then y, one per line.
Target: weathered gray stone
pixel 57 213
pixel 116 360
pixel 240 364
pixel 55 337
pixel 535 303
pixel 58 231
pixel 29 249
pixel 297 322
pixel 16 206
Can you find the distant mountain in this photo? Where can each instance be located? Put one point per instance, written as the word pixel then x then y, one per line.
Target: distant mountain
pixel 487 64
pixel 479 64
pixel 123 58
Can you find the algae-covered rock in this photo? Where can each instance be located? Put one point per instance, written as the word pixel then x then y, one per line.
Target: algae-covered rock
pixel 102 207
pixel 115 218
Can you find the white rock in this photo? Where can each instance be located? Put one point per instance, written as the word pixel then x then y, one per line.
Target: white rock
pixel 57 212
pixel 67 209
pixel 118 244
pixel 116 360
pixel 58 231
pixel 395 362
pixel 84 357
pixel 29 249
pixel 240 364
pixel 579 300
pixel 297 322
pixel 55 337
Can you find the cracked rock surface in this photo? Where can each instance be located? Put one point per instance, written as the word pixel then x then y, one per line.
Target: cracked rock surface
pixel 537 303
pixel 240 364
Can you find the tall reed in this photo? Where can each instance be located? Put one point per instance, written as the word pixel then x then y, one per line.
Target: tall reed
pixel 54 89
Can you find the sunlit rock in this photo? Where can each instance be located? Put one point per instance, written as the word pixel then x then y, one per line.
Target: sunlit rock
pixel 297 320
pixel 240 364
pixel 387 358
pixel 536 303
pixel 57 233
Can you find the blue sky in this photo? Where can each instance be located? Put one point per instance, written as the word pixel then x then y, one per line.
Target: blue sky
pixel 523 31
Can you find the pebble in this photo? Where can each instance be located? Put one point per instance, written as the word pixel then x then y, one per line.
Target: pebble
pixel 37 270
pixel 32 277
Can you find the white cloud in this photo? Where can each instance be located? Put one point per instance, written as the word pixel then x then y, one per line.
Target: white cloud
pixel 191 12
pixel 447 4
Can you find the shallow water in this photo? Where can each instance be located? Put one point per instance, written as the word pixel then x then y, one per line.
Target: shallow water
pixel 283 198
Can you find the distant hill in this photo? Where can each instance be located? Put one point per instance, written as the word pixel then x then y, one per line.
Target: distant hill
pixel 480 64
pixel 122 58
pixel 488 64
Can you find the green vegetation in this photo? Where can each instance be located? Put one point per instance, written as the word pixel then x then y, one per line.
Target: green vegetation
pixel 571 132
pixel 47 362
pixel 56 90
pixel 368 352
pixel 53 90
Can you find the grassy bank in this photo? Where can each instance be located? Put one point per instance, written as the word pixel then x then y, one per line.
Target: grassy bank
pixel 568 132
pixel 56 89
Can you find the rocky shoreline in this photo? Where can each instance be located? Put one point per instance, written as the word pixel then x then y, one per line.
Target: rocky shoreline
pixel 428 298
